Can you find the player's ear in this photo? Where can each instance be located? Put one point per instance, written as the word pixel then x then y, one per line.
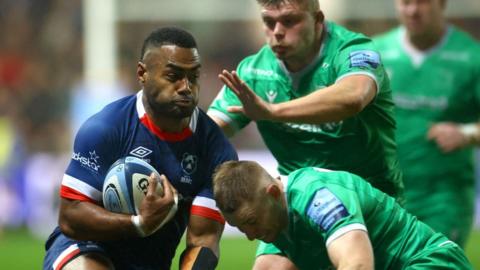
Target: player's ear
pixel 141 72
pixel 274 191
pixel 319 17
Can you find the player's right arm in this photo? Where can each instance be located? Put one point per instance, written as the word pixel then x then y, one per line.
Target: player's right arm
pixel 85 220
pixel 352 250
pixel 82 216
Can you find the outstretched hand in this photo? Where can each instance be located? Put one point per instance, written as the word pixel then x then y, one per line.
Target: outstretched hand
pixel 253 106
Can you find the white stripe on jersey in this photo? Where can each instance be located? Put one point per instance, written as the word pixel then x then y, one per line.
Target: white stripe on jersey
pixel 344 230
pixel 322 169
pixel 205 202
pixel 194 119
pixel 139 104
pixel 369 74
pixel 82 187
pixel 71 249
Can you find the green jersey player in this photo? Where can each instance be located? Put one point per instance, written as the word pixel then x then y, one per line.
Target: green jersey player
pixel 360 140
pixel 319 96
pixel 435 78
pixel 324 219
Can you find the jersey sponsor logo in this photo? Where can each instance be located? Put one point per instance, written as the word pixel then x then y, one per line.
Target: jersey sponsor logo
pixel 326 209
pixel 321 128
pixel 365 59
pixel 141 152
pixel 455 56
pixel 271 95
pixel 261 72
pixel 420 102
pixel 90 162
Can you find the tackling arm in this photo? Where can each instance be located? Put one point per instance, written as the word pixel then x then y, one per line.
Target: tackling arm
pixel 352 250
pixel 203 237
pixel 346 98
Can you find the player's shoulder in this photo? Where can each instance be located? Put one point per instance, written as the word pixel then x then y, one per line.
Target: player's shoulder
pixel 461 39
pixel 203 122
pixel 341 37
pixel 315 178
pixel 460 46
pixel 205 126
pixel 210 137
pixel 387 39
pixel 113 116
pixel 300 179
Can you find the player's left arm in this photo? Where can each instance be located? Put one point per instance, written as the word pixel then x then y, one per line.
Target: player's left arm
pixel 451 136
pixel 353 250
pixel 203 237
pixel 206 223
pixel 346 98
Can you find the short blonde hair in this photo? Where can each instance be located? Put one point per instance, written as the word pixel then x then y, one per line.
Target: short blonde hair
pixel 236 182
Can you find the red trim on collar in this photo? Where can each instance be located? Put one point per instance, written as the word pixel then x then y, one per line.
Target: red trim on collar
pixel 166 136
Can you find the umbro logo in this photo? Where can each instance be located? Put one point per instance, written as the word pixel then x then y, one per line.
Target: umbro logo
pixel 141 152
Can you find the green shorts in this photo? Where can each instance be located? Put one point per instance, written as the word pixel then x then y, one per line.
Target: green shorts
pixel 446 255
pixel 448 210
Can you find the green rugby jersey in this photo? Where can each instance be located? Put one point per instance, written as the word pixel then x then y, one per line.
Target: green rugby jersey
pixel 439 85
pixel 442 84
pixel 323 205
pixel 363 144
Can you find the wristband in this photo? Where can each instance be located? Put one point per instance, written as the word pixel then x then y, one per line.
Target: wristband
pixel 137 223
pixel 470 131
pixel 198 258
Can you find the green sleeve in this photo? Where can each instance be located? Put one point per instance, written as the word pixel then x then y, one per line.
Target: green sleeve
pixel 328 207
pixel 225 99
pixel 360 56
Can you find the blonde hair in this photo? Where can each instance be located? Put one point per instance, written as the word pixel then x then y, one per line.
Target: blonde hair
pixel 236 182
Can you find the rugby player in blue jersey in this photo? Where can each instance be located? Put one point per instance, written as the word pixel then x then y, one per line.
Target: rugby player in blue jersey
pixel 162 125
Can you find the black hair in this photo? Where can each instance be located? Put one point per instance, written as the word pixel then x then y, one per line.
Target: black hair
pixel 170 35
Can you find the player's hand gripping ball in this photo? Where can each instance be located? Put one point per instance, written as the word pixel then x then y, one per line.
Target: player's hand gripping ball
pixel 126 185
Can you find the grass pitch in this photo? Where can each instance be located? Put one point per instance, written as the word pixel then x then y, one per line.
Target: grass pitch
pixel 19 250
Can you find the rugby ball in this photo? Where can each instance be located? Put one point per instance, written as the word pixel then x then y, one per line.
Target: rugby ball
pixel 126 184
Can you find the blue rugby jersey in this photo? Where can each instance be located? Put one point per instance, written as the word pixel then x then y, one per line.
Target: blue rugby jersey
pixel 188 159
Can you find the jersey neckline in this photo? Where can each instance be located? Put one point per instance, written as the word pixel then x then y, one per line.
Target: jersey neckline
pixel 166 136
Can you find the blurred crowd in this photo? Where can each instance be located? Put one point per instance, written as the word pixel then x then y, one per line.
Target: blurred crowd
pixel 40 57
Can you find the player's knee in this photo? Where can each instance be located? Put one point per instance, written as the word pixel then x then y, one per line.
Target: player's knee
pixel 273 262
pixel 90 261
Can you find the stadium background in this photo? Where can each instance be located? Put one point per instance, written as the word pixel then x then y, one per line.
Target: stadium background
pixel 61 61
